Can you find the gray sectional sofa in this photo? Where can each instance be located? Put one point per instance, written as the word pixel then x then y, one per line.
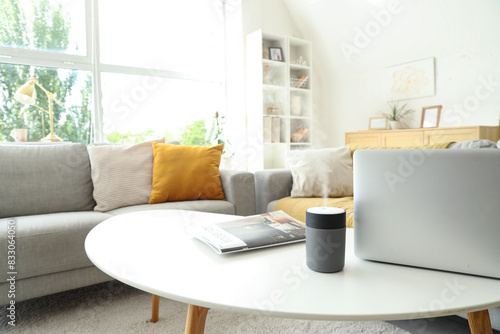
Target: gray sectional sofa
pixel 47 209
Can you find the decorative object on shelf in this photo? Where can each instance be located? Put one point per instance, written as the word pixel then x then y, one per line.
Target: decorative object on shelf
pixel 276 53
pixel 299 61
pixel 295 105
pixel 299 136
pixel 26 94
pixel 19 135
pixel 270 76
pixel 299 82
pixel 411 80
pixel 398 112
pixel 378 123
pixel 430 117
pixel 265 53
pixel 272 111
pixel 265 74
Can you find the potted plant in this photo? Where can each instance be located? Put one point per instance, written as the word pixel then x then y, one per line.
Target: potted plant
pixel 396 114
pixel 216 136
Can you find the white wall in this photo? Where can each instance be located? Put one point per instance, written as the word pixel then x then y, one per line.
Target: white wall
pixel 462 35
pixel 271 16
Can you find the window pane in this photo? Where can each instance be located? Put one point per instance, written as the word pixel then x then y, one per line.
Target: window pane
pixel 182 36
pixel 44 25
pixel 72 119
pixel 137 108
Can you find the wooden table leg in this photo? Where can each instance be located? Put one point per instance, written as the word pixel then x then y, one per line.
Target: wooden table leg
pixel 155 308
pixel 479 322
pixel 195 320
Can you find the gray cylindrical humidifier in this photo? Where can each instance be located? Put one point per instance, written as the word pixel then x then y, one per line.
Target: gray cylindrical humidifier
pixel 325 239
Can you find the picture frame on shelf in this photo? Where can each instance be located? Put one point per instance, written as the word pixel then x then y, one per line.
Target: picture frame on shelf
pixel 430 117
pixel 378 123
pixel 275 53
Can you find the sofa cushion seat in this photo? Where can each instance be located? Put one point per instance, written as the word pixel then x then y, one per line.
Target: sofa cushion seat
pixel 50 243
pixel 213 206
pixel 296 207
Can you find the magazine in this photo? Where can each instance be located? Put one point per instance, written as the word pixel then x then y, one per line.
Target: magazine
pixel 252 232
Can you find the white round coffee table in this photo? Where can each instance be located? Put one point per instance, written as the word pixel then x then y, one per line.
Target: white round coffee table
pixel 150 250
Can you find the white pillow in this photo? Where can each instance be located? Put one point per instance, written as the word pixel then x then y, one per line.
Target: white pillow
pixel 122 174
pixel 321 173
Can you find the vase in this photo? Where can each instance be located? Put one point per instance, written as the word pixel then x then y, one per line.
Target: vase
pixel 395 125
pixel 225 162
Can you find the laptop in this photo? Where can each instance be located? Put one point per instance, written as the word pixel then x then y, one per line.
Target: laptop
pixel 436 209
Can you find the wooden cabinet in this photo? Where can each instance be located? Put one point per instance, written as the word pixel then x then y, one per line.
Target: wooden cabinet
pixel 402 138
pixel 407 137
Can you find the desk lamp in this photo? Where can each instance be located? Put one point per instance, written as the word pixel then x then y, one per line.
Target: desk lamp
pixel 26 94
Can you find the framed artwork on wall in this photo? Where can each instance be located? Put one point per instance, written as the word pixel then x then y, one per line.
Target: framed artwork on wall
pixel 378 123
pixel 430 117
pixel 410 80
pixel 276 53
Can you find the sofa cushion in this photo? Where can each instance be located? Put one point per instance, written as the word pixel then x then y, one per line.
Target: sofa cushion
pixel 122 174
pixel 321 173
pixel 296 207
pixel 50 243
pixel 476 143
pixel 183 173
pixel 39 179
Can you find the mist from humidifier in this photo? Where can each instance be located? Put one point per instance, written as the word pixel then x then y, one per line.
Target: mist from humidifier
pixel 323 171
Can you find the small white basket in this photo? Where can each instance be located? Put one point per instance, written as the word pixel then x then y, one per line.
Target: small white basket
pixel 302 82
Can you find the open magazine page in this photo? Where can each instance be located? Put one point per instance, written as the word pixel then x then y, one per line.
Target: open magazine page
pixel 264 230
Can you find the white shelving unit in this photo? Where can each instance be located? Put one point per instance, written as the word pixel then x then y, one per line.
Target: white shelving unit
pixel 279 98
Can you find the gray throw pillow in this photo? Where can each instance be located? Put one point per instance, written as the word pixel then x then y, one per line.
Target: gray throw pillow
pixel 476 143
pixel 46 178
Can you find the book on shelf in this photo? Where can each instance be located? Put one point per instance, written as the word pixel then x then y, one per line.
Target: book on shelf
pixel 275 130
pixel 252 232
pixel 267 129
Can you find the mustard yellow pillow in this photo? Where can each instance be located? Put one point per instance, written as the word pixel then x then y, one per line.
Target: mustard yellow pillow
pixel 183 173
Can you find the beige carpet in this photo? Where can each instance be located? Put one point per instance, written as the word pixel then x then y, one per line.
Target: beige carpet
pixel 117 308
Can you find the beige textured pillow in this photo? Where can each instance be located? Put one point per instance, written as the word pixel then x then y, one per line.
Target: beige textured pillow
pixel 321 173
pixel 122 174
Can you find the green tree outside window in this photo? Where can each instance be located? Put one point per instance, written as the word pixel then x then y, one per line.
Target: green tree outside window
pixel 50 32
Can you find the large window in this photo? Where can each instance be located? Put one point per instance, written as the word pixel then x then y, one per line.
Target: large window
pixel 138 107
pixel 124 73
pixel 31 32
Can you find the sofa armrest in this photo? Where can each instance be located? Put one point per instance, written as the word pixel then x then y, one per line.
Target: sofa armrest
pixel 270 185
pixel 239 189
